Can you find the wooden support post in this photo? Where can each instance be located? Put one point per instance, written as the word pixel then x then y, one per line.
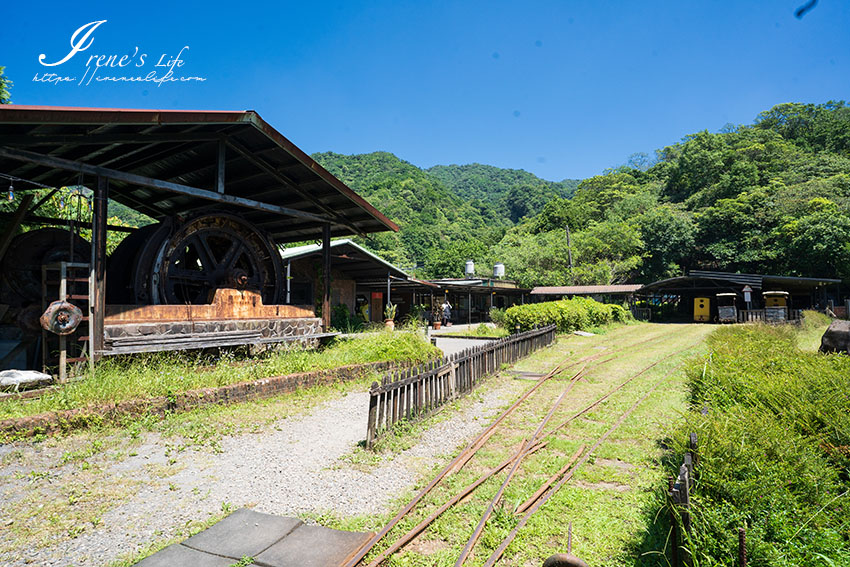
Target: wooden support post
pixel 219 172
pixel 685 498
pixel 288 282
pixel 674 524
pixel 371 426
pixel 97 291
pixel 14 223
pixel 63 340
pixel 742 547
pixel 326 276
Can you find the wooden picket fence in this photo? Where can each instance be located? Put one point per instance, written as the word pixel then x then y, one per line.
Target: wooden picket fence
pixel 679 495
pixel 681 522
pixel 416 392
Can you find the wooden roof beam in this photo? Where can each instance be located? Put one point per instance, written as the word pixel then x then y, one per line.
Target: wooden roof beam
pixel 132 178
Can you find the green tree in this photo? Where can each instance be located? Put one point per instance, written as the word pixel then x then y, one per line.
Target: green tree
pixel 668 233
pixel 450 261
pixel 818 243
pixel 534 259
pixel 607 252
pixel 5 87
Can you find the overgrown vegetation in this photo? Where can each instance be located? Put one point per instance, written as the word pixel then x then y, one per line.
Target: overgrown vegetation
pixel 773 423
pixel 568 314
pixel 610 502
pixel 167 374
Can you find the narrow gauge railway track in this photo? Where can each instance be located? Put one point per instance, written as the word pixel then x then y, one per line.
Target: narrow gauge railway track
pixel 531 445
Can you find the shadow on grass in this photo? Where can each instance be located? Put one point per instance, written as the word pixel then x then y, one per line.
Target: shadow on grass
pixel 653 548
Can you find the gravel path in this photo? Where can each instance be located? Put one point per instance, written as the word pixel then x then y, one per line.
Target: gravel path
pixel 295 466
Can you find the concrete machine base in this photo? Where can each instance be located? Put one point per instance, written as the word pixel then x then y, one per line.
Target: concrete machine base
pixel 272 541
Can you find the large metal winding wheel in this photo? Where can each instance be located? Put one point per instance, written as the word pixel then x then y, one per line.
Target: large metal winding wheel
pixel 186 263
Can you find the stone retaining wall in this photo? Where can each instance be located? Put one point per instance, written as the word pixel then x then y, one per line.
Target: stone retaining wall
pixel 67 420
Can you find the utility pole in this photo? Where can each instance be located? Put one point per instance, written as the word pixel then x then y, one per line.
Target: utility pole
pixel 569 248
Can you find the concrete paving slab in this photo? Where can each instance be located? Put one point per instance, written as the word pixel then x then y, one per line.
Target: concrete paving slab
pixel 244 533
pixel 313 546
pixel 178 555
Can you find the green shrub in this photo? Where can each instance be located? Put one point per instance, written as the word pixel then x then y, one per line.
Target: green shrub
pixel 815 319
pixel 568 314
pixel 497 316
pixel 343 320
pixel 774 446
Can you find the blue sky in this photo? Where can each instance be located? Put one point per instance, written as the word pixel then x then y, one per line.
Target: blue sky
pixel 561 89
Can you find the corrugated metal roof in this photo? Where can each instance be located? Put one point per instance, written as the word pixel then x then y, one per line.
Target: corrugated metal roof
pixel 182 147
pixel 349 257
pixel 753 280
pixel 585 289
pixel 704 279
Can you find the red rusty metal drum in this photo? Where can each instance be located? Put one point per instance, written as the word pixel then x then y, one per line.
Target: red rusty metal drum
pixel 61 318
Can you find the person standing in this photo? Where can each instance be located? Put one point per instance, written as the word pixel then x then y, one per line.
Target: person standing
pixel 447 311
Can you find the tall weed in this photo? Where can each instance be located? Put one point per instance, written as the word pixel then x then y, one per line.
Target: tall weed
pixel 774 428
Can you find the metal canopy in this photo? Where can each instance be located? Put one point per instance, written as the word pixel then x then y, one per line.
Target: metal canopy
pixel 173 162
pixel 722 281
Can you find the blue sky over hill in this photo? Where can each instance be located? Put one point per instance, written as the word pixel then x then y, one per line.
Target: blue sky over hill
pixel 561 89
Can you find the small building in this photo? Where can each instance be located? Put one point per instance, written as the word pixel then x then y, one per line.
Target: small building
pixel 364 283
pixel 697 295
pixel 361 281
pixel 472 298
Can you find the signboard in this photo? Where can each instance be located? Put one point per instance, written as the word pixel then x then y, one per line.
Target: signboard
pixel 748 294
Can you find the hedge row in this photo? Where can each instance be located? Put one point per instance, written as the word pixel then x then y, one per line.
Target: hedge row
pixel 568 314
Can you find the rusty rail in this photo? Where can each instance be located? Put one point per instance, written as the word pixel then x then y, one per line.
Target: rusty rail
pixel 469 451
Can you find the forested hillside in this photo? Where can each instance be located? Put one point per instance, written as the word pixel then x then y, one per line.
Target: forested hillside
pixel 446 214
pixel 769 197
pixel 511 193
pixel 432 219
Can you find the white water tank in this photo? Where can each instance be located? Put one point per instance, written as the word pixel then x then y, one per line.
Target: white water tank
pixel 470 268
pixel 499 270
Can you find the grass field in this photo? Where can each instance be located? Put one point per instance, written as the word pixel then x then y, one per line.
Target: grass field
pixel 166 374
pixel 611 501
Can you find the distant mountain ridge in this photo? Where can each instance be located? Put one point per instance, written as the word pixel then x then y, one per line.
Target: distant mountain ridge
pixel 443 205
pixel 477 181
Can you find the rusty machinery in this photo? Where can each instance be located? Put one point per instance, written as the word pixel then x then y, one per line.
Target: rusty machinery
pixel 174 262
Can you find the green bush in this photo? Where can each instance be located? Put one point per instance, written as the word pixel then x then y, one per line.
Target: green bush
pixel 343 320
pixel 497 316
pixel 774 446
pixel 568 314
